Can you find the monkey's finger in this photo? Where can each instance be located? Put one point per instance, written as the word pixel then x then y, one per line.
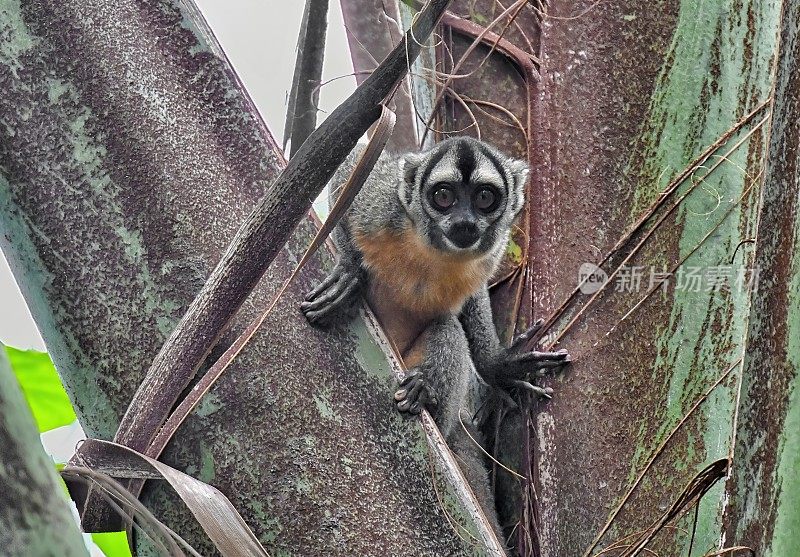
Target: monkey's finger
pixel 316 319
pixel 326 304
pixel 544 371
pixel 333 291
pixel 543 357
pixel 326 282
pixel 543 392
pixel 432 401
pixel 410 376
pixel 338 310
pixel 417 393
pixel 539 366
pixel 406 404
pixel 421 402
pixel 406 385
pixel 527 335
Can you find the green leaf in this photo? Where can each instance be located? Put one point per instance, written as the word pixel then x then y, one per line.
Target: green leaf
pixel 113 544
pixel 42 388
pixel 514 251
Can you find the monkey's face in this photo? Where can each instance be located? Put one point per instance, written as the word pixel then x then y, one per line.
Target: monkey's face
pixel 463 195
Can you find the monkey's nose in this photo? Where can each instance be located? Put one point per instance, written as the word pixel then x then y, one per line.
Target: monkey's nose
pixel 463 234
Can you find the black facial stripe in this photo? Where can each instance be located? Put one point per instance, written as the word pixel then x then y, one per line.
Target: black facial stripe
pixel 465 160
pixel 431 165
pixel 410 169
pixel 410 173
pixel 497 165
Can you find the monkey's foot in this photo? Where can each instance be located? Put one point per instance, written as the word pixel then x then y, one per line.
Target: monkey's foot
pixel 414 394
pixel 542 362
pixel 510 366
pixel 523 361
pixel 335 297
pixel 515 369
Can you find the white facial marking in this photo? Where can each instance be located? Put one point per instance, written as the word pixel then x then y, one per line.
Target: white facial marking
pixel 486 174
pixel 444 171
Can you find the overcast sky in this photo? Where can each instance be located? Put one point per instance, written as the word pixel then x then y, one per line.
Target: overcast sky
pixel 259 36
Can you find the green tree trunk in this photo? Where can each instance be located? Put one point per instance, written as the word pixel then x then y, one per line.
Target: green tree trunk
pixel 35 518
pixel 764 488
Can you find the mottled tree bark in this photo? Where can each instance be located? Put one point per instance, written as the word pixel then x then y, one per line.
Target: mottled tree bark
pixel 630 95
pixel 301 112
pixel 763 512
pixel 129 157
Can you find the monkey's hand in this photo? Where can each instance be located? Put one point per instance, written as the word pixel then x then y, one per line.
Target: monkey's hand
pixel 514 368
pixel 415 393
pixel 335 298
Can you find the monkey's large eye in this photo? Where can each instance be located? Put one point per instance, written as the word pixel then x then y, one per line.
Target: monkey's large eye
pixel 443 197
pixel 485 199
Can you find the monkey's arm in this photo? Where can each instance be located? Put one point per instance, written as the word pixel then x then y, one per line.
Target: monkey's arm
pixel 439 378
pixel 497 365
pixel 338 296
pixel 439 366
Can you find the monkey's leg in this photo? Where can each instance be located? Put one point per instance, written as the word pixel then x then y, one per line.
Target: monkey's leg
pixel 473 463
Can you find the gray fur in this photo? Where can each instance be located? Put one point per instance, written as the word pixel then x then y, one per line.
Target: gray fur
pixel 453 377
pixel 459 348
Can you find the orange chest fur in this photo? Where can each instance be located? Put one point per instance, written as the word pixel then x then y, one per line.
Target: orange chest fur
pixel 420 279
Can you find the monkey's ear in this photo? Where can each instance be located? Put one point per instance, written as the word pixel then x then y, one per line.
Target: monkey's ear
pixel 408 165
pixel 519 171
